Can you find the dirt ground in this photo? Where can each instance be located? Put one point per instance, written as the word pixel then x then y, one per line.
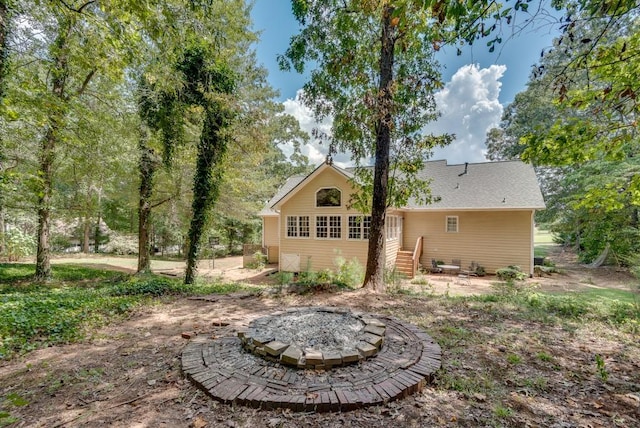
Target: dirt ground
pixel 571 277
pixel 499 369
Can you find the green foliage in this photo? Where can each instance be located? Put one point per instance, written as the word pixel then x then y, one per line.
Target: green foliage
pixel 210 82
pixel 511 273
pixel 258 261
pixel 543 356
pixel 502 412
pixel 77 301
pixel 146 285
pixel 17 244
pixel 284 278
pixel 514 359
pixel 577 122
pixel 348 273
pixel 601 368
pixel 393 279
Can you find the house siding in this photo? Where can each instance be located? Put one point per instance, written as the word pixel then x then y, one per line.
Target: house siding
pixel 270 238
pixel 318 254
pixel 494 239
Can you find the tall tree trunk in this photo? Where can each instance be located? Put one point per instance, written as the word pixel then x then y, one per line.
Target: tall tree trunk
pixel 4 56
pixel 43 257
pixel 55 119
pixel 86 235
pixel 147 167
pixel 374 274
pixel 211 151
pixel 96 234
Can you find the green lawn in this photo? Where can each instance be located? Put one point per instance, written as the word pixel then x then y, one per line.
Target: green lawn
pixel 542 241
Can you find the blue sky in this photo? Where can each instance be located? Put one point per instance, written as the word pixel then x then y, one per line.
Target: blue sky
pixel 478 83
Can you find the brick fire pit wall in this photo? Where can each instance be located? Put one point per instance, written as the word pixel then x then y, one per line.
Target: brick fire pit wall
pixel 224 369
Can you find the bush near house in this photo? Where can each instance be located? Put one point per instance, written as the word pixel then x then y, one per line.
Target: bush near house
pixel 511 273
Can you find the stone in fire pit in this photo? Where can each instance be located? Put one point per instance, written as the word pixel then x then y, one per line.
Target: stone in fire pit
pixel 315 338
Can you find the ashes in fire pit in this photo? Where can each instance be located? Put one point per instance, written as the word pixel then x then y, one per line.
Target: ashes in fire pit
pixel 315 337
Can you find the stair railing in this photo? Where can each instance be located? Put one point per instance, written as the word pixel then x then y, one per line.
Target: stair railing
pixel 417 252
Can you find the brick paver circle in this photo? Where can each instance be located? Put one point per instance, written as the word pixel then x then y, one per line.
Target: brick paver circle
pixel 224 369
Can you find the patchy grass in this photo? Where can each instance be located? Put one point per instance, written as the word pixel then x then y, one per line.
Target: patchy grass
pixel 542 241
pixel 514 358
pixel 517 358
pixel 75 301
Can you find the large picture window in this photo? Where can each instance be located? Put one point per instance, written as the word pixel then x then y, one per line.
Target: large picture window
pixel 297 226
pixel 328 197
pixel 359 226
pixel 452 223
pixel 329 226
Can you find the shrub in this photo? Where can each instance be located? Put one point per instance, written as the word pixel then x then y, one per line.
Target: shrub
pixel 18 244
pixel 284 278
pixel 121 244
pixel 147 286
pixel 349 273
pixel 511 273
pixel 258 261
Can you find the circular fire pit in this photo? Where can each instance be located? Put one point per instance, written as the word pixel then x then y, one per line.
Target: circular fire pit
pixel 314 338
pixel 305 359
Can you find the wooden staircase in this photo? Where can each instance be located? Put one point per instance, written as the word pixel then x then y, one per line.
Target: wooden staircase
pixel 407 261
pixel 404 263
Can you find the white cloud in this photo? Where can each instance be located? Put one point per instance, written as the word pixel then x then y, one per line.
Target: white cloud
pixel 316 150
pixel 468 104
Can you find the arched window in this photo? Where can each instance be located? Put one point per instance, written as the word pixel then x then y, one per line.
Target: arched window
pixel 328 197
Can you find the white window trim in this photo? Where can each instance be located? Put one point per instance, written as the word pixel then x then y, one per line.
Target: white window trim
pixel 361 225
pixel 446 224
pixel 328 187
pixel 328 237
pixel 392 228
pixel 298 227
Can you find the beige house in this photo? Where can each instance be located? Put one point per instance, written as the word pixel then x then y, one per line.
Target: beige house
pixel 481 212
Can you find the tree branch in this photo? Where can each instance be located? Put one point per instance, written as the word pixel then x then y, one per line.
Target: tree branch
pixel 85 83
pixel 163 201
pixel 79 9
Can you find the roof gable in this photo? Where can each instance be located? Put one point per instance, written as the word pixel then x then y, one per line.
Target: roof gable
pixel 504 185
pixel 294 184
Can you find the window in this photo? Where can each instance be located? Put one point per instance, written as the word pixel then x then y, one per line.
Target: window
pixel 452 224
pixel 393 228
pixel 303 223
pixel 359 226
pixel 328 197
pixel 329 226
pixel 335 227
pixel 297 226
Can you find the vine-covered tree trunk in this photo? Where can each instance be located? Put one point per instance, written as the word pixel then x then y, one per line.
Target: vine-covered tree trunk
pixel 43 257
pixel 211 150
pixel 55 119
pixel 374 274
pixel 147 168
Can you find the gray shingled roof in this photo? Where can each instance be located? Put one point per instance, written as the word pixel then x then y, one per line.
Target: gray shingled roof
pixel 488 185
pixel 288 186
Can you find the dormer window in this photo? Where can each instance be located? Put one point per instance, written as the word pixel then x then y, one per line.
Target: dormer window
pixel 328 197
